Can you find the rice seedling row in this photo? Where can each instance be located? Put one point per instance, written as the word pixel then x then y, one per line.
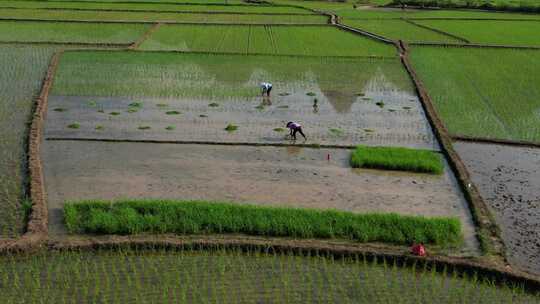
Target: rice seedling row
pixel 12 31
pixel 285 40
pixel 483 92
pixel 153 7
pixel 20 81
pixel 520 33
pixel 232 276
pixel 397 159
pixel 200 217
pixel 501 5
pixel 75 15
pixel 399 30
pixel 442 14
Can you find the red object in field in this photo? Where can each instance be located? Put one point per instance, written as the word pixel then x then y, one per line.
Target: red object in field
pixel 418 249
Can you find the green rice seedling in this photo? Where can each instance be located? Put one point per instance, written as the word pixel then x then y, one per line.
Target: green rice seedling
pixel 474 100
pixel 391 110
pixel 279 130
pixel 114 113
pixel 361 94
pixel 380 104
pixel 231 128
pixel 369 130
pixel 135 105
pixel 311 94
pixel 259 107
pixel 162 105
pixel 170 128
pixel 283 107
pixel 284 40
pixel 99 127
pixel 101 111
pixel 133 110
pixel 92 104
pixel 400 29
pixel 136 74
pixel 74 125
pixel 336 131
pixel 193 217
pixel 23 68
pixel 394 158
pixel 29 31
pixel 213 105
pixel 144 128
pixel 203 115
pixel 59 109
pixel 173 113
pixel 284 94
pixel 406 108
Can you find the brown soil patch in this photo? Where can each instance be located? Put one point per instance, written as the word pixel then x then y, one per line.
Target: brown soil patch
pixel 509 180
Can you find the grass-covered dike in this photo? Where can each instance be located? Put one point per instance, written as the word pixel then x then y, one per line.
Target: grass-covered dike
pixel 200 217
pixel 397 158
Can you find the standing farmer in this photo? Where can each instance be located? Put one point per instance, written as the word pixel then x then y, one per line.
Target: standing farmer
pixel 295 127
pixel 266 88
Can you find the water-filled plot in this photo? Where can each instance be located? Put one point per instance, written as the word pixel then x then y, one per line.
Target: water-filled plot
pixel 190 97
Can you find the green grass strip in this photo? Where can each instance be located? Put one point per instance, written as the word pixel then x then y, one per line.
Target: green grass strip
pixel 200 217
pixel 397 158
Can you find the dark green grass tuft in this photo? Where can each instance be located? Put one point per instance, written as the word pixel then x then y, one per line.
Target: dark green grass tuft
pixel 144 128
pixel 170 128
pixel 213 104
pixel 114 113
pixel 395 158
pixel 173 113
pixel 279 130
pixel 199 217
pixel 59 109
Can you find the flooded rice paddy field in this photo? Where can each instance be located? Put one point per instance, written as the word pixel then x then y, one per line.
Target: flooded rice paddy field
pixel 288 176
pixel 193 97
pixel 333 119
pixel 509 181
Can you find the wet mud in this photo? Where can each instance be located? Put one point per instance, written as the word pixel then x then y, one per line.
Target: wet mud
pixel 287 176
pixel 329 118
pixel 509 181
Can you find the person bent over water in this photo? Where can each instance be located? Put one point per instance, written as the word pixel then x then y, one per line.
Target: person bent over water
pixel 266 88
pixel 295 127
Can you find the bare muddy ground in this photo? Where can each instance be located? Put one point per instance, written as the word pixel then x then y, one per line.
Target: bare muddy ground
pixel 289 176
pixel 509 180
pixel 390 118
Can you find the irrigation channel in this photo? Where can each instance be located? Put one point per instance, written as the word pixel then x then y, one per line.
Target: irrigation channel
pixel 110 156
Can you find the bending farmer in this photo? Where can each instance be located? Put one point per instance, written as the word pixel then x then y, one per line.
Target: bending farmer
pixel 295 127
pixel 266 88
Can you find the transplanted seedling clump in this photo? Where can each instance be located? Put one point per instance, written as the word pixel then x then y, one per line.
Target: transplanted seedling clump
pixel 114 113
pixel 99 127
pixel 144 127
pixel 170 128
pixel 336 131
pixel 213 105
pixel 74 125
pixel 172 113
pixel 231 128
pixel 310 94
pixel 279 130
pixel 380 104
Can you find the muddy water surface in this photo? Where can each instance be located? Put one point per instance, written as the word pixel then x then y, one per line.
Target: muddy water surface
pixel 509 180
pixel 289 176
pixel 390 118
